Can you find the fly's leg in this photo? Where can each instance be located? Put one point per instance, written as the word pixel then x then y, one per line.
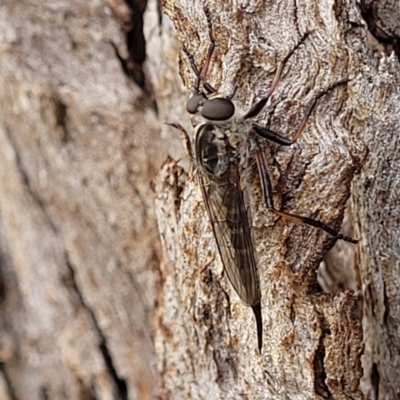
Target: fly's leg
pixel 267 194
pixel 275 137
pixel 201 75
pixel 211 48
pixel 284 141
pixel 257 107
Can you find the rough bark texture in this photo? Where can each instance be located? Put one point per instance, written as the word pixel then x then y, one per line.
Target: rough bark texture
pixel 375 195
pixel 79 145
pixel 81 112
pixel 206 341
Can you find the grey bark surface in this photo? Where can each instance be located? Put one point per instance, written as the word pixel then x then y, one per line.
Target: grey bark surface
pixel 79 146
pixel 313 342
pixel 81 142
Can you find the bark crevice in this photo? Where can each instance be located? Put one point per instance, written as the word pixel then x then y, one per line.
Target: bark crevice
pixel 120 383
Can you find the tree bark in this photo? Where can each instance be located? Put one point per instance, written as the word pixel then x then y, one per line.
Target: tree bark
pixel 79 245
pixel 375 195
pixel 205 337
pixel 84 96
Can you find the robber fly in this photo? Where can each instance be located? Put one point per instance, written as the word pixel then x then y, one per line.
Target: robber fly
pixel 224 139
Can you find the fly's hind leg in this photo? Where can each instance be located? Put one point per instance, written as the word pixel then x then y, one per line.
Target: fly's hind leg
pixel 267 194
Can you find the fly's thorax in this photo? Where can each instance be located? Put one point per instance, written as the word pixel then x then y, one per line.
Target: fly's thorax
pixel 239 133
pixel 212 150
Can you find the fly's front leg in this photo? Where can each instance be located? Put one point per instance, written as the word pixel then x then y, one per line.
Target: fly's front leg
pixel 196 89
pixel 267 194
pixel 201 75
pixel 211 48
pixel 257 107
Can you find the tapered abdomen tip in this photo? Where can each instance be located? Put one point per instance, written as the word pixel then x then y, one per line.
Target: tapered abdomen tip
pixel 257 313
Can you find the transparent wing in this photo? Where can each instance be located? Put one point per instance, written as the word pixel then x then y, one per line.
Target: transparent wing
pixel 228 213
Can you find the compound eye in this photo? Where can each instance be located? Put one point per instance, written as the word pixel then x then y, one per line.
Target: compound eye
pixel 194 102
pixel 218 109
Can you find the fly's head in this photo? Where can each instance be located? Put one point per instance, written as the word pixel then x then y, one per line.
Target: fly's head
pixel 216 108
